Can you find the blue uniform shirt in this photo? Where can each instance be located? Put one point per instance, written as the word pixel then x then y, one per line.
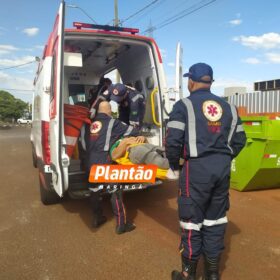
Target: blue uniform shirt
pixel 202 124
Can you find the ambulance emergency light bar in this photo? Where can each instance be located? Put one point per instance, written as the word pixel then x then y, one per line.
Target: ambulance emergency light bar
pixel 80 25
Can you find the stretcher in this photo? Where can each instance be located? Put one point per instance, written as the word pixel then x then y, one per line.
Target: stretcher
pixel 161 173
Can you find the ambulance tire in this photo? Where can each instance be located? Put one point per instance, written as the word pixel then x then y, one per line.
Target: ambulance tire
pixel 34 158
pixel 48 197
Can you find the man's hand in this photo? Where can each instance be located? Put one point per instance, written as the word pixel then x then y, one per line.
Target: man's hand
pixel 140 139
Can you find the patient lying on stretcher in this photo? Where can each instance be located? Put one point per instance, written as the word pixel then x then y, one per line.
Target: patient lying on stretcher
pixel 139 151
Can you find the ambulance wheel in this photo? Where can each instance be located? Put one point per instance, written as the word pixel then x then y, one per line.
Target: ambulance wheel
pixel 34 157
pixel 48 197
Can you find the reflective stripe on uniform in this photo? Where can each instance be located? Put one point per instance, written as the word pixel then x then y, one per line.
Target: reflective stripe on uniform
pixel 189 226
pixel 108 135
pixel 176 124
pixel 240 128
pixel 233 125
pixel 82 137
pixel 128 131
pixel 136 97
pixel 191 127
pixel 210 223
pixel 70 140
pixel 96 189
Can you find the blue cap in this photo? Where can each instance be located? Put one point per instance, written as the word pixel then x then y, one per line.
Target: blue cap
pixel 199 70
pixel 117 92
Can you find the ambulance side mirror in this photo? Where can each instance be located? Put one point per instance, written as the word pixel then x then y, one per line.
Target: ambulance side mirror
pixel 73 59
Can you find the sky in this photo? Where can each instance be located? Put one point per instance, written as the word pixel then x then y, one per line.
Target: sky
pixel 240 39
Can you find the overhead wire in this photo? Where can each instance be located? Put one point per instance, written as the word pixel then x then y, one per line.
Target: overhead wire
pixel 139 11
pixel 16 66
pixel 148 11
pixel 180 15
pixel 27 91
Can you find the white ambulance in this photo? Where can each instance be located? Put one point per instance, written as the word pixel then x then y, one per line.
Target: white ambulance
pixel 72 63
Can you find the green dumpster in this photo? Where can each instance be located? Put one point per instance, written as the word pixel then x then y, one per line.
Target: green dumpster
pixel 258 165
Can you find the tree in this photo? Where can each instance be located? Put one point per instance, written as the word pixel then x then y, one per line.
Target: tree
pixel 11 107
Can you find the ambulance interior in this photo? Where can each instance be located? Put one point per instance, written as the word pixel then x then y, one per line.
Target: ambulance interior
pixel 133 59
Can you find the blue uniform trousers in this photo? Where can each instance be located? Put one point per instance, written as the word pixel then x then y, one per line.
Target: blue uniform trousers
pixel 203 201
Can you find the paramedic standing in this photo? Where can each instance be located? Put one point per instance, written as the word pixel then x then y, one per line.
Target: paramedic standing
pixel 103 132
pixel 131 103
pixel 206 131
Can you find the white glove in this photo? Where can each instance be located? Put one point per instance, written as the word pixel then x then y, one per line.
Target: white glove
pixel 172 174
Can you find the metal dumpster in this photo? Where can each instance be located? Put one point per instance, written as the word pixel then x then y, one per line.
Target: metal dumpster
pixel 258 164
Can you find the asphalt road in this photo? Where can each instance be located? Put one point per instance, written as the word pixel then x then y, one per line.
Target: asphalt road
pixel 57 242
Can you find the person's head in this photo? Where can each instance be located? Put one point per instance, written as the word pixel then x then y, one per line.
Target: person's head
pixel 105 107
pixel 107 82
pixel 200 77
pixel 118 92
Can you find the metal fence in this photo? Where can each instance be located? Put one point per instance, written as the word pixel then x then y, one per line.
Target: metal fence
pixel 258 102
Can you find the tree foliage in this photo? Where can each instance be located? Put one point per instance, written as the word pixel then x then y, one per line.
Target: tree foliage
pixel 11 107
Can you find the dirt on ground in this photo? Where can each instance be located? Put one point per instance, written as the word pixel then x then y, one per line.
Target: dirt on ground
pixel 57 242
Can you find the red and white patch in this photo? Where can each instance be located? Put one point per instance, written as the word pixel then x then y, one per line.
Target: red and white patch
pixel 95 127
pixel 115 91
pixel 106 92
pixel 212 110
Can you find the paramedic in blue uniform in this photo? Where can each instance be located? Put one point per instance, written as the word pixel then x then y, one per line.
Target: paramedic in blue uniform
pixel 103 132
pixel 131 103
pixel 206 131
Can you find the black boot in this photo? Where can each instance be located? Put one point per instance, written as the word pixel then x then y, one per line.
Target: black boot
pixel 211 268
pixel 187 266
pixel 97 213
pixel 98 220
pixel 125 228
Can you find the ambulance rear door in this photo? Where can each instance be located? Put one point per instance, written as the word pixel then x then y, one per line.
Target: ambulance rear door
pixel 59 160
pixel 179 73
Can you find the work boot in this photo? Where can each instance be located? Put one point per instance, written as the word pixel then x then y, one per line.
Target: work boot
pixel 177 275
pixel 125 228
pixel 189 267
pixel 211 266
pixel 98 220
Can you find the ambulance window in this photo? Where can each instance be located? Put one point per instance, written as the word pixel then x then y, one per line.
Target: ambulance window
pixel 150 82
pixel 139 85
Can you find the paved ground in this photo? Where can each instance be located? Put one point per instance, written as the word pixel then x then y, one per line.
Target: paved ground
pixel 56 242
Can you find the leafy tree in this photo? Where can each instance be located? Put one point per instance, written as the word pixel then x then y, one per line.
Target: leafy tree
pixel 11 107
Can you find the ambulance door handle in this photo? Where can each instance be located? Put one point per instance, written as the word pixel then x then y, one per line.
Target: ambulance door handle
pixel 153 107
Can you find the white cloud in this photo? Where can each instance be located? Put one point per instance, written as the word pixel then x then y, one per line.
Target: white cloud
pixel 252 60
pixel 221 83
pixel 14 62
pixel 40 47
pixel 171 64
pixel 273 57
pixel 266 41
pixel 31 31
pixel 4 49
pixel 17 83
pixel 235 22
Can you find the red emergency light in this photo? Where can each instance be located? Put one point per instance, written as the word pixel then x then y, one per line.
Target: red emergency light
pixel 80 25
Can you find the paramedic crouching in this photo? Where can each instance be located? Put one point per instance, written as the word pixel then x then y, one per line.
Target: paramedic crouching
pixel 207 132
pixel 103 132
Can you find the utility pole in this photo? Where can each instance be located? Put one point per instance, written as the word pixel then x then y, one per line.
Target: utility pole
pixel 150 29
pixel 117 24
pixel 116 13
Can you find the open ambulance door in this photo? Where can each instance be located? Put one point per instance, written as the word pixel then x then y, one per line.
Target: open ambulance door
pixel 179 72
pixel 59 160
